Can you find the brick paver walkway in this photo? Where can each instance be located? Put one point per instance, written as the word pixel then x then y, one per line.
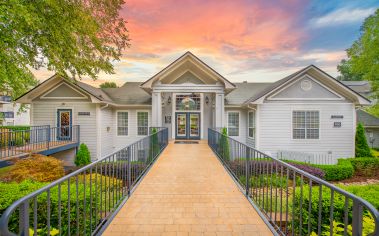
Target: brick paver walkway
pixel 187 192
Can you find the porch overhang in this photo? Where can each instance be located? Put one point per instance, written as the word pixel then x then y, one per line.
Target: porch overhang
pixel 188 62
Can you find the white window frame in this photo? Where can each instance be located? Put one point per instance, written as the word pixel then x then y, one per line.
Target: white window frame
pixel 305 124
pixel 248 124
pixel 239 123
pixel 148 120
pixel 128 130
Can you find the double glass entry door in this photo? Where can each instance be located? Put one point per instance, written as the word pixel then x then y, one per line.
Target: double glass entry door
pixel 187 125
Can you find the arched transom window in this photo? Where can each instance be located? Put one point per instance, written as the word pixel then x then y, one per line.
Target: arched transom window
pixel 188 102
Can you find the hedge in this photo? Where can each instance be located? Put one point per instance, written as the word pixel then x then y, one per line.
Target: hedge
pixel 365 166
pixel 13 191
pixel 15 127
pixel 342 170
pixel 338 211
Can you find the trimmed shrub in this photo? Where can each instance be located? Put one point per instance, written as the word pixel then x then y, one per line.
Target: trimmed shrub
pixel 38 168
pixel 343 170
pixel 367 166
pixel 154 145
pixel 368 192
pixel 83 157
pixel 361 147
pixel 223 145
pixel 312 216
pixel 310 169
pixel 80 204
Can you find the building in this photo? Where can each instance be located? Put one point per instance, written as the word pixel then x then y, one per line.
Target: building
pixel 11 114
pixel 307 111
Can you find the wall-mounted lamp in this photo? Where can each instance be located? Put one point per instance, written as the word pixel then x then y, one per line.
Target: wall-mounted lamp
pixel 169 100
pixel 206 100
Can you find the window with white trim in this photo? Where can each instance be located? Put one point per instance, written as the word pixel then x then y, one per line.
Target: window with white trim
pixel 251 124
pixel 233 123
pixel 305 124
pixel 122 123
pixel 142 123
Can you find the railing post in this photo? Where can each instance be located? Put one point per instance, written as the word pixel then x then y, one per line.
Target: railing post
pixel 247 170
pixel 48 138
pixel 24 219
pixel 129 170
pixel 357 218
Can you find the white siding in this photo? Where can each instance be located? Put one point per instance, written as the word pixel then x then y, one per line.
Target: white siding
pixel 45 113
pixel 275 129
pixel 107 132
pixel 122 141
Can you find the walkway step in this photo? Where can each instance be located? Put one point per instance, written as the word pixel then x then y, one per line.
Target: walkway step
pixel 187 192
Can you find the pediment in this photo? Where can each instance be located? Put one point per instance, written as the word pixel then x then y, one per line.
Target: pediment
pixel 63 91
pixel 187 68
pixel 305 88
pixel 188 78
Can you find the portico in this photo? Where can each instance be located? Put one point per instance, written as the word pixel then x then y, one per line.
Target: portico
pixel 188 98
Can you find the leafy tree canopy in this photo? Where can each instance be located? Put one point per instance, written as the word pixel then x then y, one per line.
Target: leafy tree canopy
pixel 108 85
pixel 363 55
pixel 74 38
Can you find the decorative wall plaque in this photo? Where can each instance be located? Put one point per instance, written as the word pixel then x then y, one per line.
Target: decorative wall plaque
pixel 84 113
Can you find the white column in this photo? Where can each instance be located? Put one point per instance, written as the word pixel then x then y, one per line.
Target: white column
pixel 219 110
pixel 156 110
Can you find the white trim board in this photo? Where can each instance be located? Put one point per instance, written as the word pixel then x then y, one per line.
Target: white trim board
pixel 306 76
pixel 59 85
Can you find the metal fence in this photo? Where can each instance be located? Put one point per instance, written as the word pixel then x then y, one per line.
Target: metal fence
pixel 15 143
pixel 82 202
pixel 321 158
pixel 291 201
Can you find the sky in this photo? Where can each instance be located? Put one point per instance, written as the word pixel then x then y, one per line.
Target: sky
pixel 244 40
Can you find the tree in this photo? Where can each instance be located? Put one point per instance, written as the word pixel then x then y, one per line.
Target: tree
pixel 83 157
pixel 108 85
pixel 346 74
pixel 73 38
pixel 361 147
pixel 363 55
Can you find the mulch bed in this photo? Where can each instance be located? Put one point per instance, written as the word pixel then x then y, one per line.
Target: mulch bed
pixel 359 180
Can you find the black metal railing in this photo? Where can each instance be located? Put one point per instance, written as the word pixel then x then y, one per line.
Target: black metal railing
pixel 16 143
pixel 82 202
pixel 291 200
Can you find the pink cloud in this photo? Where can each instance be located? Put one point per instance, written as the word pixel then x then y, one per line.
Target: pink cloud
pixel 246 28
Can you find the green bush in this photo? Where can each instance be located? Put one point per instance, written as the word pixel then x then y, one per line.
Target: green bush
pixel 15 127
pixel 365 166
pixel 154 145
pixel 223 145
pixel 361 147
pixel 10 192
pixel 83 157
pixel 368 192
pixel 343 170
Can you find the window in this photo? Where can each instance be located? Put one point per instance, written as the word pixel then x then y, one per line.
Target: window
pixel 251 124
pixel 305 124
pixel 143 123
pixel 190 102
pixel 122 123
pixel 233 123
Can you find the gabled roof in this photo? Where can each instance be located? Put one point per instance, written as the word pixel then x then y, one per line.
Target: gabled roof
pixel 286 80
pixel 88 89
pixel 244 91
pixel 129 93
pixel 367 119
pixel 187 56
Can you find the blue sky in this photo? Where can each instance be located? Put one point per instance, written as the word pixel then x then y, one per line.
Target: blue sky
pixel 259 41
